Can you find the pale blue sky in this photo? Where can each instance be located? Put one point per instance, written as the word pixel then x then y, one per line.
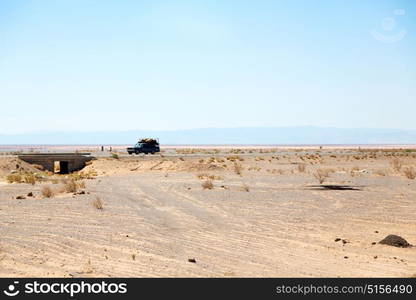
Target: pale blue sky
pixel 124 65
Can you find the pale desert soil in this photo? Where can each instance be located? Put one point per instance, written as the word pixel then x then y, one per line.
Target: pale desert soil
pixel 156 216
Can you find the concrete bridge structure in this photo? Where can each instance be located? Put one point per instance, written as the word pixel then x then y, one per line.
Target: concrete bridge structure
pixel 62 163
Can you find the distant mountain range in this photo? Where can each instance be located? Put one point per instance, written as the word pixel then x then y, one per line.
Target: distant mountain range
pixel 219 136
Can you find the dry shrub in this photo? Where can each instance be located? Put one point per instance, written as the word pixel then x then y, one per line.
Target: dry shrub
pixel 301 168
pixel 207 184
pixel 410 172
pixel 235 158
pixel 238 168
pixel 14 178
pixel 81 184
pixel 114 155
pixel 91 174
pixel 47 192
pixel 71 186
pixel 97 203
pixel 206 176
pixel 396 164
pixel 354 171
pixel 254 169
pixel 30 178
pixel 321 175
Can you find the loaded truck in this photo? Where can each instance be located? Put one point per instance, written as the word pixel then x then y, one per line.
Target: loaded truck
pixel 145 146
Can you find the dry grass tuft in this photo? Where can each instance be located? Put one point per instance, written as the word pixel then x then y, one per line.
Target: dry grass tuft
pixel 410 172
pixel 207 184
pixel 71 186
pixel 235 158
pixel 97 203
pixel 396 164
pixel 206 176
pixel 47 192
pixel 14 178
pixel 238 168
pixel 321 175
pixel 81 184
pixel 30 178
pixel 301 168
pixel 91 174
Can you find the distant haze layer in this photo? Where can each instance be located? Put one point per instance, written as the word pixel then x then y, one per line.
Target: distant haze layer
pixel 224 136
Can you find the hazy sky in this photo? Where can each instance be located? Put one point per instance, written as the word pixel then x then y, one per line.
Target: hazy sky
pixel 121 65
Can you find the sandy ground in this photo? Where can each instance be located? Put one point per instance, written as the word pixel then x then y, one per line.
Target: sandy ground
pixel 269 221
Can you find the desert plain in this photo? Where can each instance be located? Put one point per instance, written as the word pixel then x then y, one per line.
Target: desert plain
pixel 212 212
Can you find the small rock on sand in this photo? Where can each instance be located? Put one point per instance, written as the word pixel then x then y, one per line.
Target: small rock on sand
pixel 395 240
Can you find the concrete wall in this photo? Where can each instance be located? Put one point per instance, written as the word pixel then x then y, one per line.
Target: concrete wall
pixel 75 161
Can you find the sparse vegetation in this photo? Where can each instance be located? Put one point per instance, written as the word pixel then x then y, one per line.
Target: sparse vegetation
pixel 235 158
pixel 91 174
pixel 97 203
pixel 30 178
pixel 238 168
pixel 207 184
pixel 410 172
pixel 254 169
pixel 81 184
pixel 14 178
pixel 47 192
pixel 70 186
pixel 301 168
pixel 114 155
pixel 206 176
pixel 321 175
pixel 396 164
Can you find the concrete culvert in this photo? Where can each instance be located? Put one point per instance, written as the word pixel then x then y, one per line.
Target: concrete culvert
pixel 395 240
